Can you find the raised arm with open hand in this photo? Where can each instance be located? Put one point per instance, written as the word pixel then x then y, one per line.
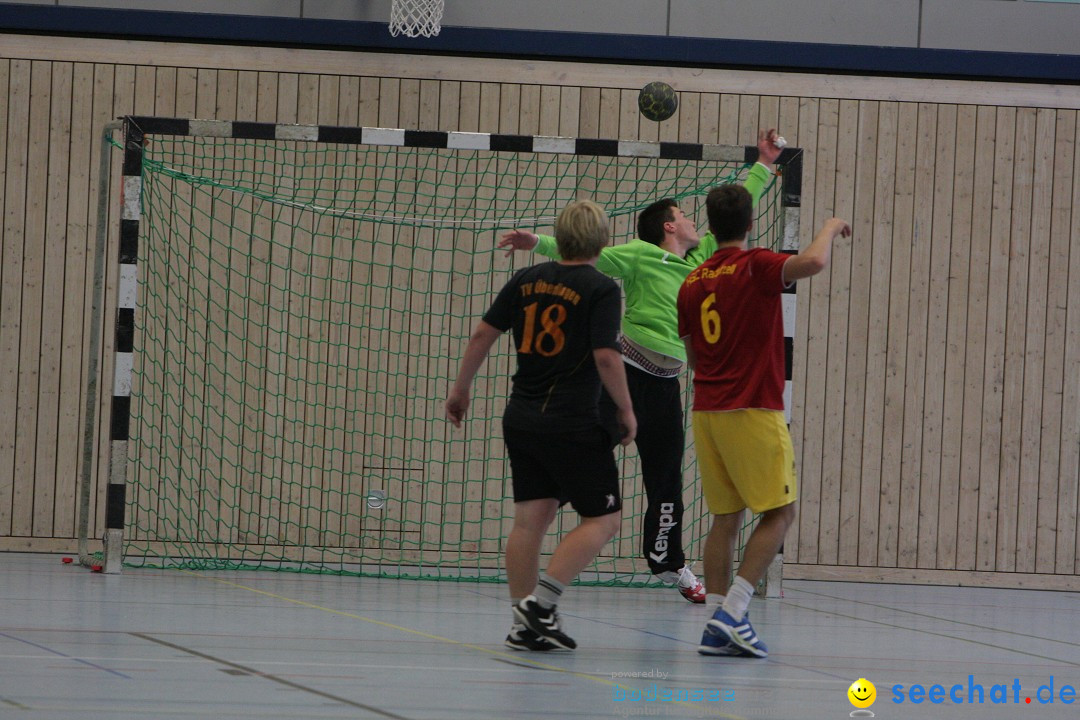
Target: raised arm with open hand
pixel 518 240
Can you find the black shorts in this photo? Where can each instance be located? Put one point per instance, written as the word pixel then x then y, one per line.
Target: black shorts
pixel 578 467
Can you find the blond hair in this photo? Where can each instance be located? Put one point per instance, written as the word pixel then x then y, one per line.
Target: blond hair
pixel 581 231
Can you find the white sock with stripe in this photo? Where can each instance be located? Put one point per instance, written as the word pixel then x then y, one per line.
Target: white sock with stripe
pixel 548 591
pixel 738 598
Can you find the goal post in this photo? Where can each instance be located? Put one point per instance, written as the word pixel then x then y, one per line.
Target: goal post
pixel 291 307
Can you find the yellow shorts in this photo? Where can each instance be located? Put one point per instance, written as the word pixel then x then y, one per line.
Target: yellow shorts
pixel 745 459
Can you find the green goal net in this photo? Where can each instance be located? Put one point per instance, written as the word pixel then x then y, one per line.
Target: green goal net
pixel 303 303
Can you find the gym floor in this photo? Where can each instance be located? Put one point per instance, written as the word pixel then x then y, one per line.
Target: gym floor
pixel 172 643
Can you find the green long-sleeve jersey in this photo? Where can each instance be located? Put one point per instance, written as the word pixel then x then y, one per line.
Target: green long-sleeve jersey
pixel 651 278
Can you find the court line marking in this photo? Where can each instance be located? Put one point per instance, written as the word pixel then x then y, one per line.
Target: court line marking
pixel 996 646
pixel 141 713
pixel 496 653
pixel 12 703
pixel 268 676
pixel 64 655
pixel 1067 643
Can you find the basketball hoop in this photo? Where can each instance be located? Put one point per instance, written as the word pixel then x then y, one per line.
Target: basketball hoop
pixel 416 17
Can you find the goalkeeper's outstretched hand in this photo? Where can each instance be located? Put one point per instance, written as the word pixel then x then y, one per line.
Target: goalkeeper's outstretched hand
pixel 518 240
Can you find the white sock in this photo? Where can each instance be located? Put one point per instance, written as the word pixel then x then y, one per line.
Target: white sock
pixel 548 591
pixel 714 600
pixel 738 598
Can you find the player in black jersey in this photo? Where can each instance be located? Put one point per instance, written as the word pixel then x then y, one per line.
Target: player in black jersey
pixel 565 319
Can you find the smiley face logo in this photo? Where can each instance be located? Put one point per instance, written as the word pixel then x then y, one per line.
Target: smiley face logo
pixel 862 693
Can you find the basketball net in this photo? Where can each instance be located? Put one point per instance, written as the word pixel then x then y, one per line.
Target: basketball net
pixel 416 17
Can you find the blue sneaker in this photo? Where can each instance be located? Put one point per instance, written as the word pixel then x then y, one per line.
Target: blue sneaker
pixel 740 633
pixel 716 643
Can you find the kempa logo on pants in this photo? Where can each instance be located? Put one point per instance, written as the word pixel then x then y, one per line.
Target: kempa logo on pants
pixel 667 521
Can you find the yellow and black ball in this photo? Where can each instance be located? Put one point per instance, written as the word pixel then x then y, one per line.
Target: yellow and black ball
pixel 658 101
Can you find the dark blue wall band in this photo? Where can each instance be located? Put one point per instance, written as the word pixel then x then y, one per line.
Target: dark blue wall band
pixel 498 42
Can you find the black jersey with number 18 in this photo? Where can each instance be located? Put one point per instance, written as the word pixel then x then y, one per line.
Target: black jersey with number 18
pixel 559 315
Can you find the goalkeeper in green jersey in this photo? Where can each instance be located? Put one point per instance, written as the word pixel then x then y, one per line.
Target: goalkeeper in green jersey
pixel 652 269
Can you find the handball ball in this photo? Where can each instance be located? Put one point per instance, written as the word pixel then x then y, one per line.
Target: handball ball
pixel 658 101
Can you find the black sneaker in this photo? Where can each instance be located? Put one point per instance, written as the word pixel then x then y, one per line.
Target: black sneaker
pixel 544 623
pixel 522 638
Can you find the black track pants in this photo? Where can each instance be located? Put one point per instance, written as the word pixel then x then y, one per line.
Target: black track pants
pixel 660 440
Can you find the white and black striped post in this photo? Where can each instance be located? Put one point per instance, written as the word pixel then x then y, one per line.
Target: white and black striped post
pixel 124 341
pixel 790 204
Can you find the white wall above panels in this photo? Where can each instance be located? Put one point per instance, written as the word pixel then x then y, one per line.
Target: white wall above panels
pixel 1001 25
pixel 842 22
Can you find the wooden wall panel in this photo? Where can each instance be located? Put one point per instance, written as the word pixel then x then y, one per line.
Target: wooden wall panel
pixel 1059 452
pixel 872 234
pixel 1034 488
pixel 806 382
pixel 1069 474
pixel 52 482
pixel 958 233
pixel 916 420
pixel 936 399
pixel 939 240
pixel 898 206
pixel 859 167
pixel 19 282
pixel 10 282
pixel 12 179
pixel 994 521
pixel 828 323
pixel 80 236
pixel 846 348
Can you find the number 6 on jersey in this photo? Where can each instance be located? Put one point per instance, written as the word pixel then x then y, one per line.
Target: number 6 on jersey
pixel 710 319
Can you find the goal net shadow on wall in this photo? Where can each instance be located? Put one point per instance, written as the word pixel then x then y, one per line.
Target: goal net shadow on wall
pixel 292 306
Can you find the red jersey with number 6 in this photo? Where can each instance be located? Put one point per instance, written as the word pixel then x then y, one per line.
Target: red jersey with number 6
pixel 730 309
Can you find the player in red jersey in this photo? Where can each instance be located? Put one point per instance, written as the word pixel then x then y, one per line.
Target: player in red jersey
pixel 731 320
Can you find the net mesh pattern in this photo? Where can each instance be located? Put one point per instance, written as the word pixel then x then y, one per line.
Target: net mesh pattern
pixel 302 312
